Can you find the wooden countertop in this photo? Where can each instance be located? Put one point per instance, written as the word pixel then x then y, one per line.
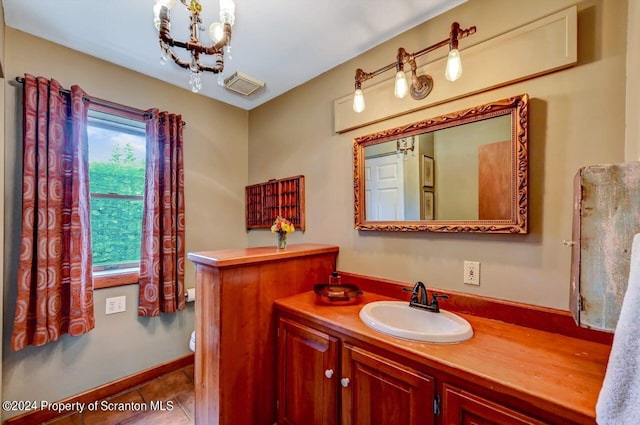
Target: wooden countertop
pixel 245 256
pixel 556 373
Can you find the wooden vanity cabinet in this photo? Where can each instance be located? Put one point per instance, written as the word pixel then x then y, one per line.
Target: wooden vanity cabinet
pixel 307 375
pixel 317 373
pixel 378 391
pixel 464 408
pixel 327 379
pixel 506 374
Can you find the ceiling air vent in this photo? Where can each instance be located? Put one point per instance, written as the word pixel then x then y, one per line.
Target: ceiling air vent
pixel 242 83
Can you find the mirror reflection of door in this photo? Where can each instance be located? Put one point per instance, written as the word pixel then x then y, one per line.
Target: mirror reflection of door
pixel 494 181
pixel 384 183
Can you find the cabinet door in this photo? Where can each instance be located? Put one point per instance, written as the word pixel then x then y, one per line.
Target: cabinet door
pixel 307 376
pixel 463 408
pixel 377 391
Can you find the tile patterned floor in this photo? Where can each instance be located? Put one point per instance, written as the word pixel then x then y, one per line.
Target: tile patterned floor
pixel 174 392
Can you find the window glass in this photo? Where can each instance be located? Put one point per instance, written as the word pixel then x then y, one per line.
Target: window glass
pixel 116 177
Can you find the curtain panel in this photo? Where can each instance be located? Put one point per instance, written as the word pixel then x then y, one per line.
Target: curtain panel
pixel 162 253
pixel 55 287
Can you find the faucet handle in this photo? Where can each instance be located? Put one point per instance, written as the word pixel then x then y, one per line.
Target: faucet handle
pixel 414 293
pixel 441 296
pixel 434 300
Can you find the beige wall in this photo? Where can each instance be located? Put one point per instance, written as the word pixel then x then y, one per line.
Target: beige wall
pixel 632 152
pixel 576 119
pixel 2 28
pixel 215 153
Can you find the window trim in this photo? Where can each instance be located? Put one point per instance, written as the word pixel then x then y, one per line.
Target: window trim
pixel 115 279
pixel 129 276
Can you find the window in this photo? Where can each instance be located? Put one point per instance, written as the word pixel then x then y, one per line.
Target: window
pixel 116 181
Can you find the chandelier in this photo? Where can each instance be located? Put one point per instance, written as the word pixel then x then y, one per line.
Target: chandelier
pixel 420 85
pixel 220 33
pixel 406 145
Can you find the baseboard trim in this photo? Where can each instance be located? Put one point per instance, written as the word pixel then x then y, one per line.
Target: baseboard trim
pixel 104 391
pixel 531 316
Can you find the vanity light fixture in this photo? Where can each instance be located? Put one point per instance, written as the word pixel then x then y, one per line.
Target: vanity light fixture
pixel 406 145
pixel 421 85
pixel 220 33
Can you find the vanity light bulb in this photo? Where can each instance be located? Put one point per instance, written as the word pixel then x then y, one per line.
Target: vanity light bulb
pixel 216 31
pixel 454 66
pixel 358 101
pixel 402 88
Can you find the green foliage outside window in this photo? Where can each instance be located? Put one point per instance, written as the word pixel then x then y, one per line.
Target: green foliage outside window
pixel 116 223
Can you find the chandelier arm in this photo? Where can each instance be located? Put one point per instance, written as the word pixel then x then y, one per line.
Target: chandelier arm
pixel 164 29
pixel 218 67
pixel 193 46
pixel 178 60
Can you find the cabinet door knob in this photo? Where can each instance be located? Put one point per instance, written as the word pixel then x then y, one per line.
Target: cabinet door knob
pixel 345 382
pixel 328 373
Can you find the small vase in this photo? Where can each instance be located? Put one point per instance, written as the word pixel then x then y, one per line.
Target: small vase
pixel 281 238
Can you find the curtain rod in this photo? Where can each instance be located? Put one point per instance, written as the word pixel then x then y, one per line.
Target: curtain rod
pixel 106 103
pixel 102 102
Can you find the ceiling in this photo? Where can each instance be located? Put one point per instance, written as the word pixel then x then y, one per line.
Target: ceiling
pixel 281 42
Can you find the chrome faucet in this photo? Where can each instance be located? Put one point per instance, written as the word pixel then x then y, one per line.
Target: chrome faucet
pixel 420 298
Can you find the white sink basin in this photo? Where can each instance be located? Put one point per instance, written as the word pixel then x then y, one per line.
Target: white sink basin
pixel 398 319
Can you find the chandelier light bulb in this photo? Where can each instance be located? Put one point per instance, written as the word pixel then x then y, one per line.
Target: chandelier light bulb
pixel 168 3
pixel 401 88
pixel 454 66
pixel 216 31
pixel 156 15
pixel 358 101
pixel 227 12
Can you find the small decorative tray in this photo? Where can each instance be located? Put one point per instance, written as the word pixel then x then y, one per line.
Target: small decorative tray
pixel 331 294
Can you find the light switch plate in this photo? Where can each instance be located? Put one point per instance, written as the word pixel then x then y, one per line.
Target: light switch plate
pixel 472 273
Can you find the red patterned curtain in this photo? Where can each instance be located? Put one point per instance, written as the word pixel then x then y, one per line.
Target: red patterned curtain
pixel 162 252
pixel 55 287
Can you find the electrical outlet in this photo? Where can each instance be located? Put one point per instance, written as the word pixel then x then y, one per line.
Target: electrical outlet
pixel 472 273
pixel 116 305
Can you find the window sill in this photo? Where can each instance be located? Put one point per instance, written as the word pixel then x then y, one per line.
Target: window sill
pixel 109 280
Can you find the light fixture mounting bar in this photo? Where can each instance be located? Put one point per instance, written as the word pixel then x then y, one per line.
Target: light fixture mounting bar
pixel 455 35
pixel 420 85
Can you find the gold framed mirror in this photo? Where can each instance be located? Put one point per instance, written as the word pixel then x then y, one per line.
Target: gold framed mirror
pixel 461 172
